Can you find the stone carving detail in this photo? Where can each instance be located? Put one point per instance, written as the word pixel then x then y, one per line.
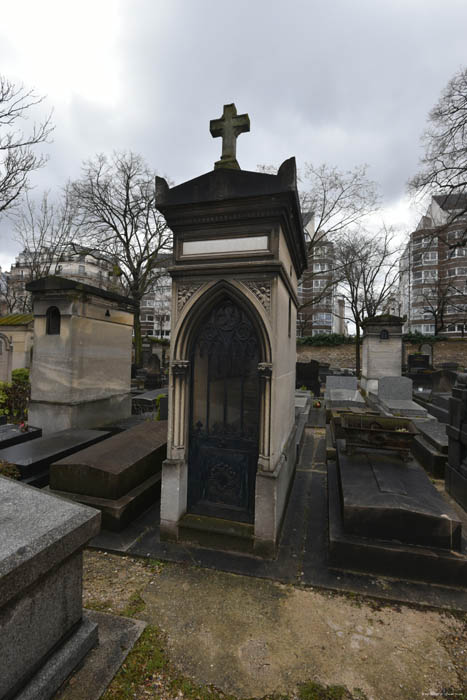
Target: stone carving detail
pixel 184 293
pixel 262 291
pixel 180 367
pixel 265 370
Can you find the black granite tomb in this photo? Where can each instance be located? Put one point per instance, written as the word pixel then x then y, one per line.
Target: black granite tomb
pixel 11 434
pixel 385 516
pixel 34 458
pixel 307 374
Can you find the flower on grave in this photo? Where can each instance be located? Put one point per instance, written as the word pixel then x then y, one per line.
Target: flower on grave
pixel 316 404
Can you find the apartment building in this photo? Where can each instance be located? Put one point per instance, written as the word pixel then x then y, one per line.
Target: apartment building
pixel 79 266
pixel 156 304
pixel 433 271
pixel 323 310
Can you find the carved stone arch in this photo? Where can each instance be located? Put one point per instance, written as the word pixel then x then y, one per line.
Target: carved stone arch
pixel 5 339
pixel 191 318
pixel 6 358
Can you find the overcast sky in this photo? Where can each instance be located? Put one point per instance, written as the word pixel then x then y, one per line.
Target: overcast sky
pixel 342 82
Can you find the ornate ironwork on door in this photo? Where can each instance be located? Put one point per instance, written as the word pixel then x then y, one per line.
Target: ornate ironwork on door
pixel 223 449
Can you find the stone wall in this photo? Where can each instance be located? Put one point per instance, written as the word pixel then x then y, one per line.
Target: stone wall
pixel 451 350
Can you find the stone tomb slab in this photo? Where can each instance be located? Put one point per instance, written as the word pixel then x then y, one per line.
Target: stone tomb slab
pixel 44 634
pixel 344 397
pixel 395 388
pixel 10 434
pixel 33 458
pixel 402 407
pixel 120 476
pixel 385 498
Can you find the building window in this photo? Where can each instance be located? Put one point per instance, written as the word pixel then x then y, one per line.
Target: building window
pixel 149 318
pixel 52 323
pixel 431 256
pixel 81 269
pixel 384 335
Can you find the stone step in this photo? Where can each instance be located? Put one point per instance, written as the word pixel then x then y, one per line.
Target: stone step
pixel 429 457
pixel 441 400
pixel 223 534
pixel 437 412
pixel 118 513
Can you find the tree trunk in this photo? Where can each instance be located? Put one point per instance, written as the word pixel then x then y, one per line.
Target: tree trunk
pixel 357 351
pixel 138 339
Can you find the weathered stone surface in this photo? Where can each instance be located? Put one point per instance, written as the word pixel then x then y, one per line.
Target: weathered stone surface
pixel 386 498
pixel 112 468
pixel 40 586
pixel 121 476
pixel 341 382
pixel 38 531
pixel 395 388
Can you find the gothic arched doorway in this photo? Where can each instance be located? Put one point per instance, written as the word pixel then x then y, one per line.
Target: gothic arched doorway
pixel 224 414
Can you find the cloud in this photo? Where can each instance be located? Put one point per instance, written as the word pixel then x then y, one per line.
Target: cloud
pixel 342 83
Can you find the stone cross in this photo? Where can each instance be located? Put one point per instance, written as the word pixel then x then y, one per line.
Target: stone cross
pixel 229 126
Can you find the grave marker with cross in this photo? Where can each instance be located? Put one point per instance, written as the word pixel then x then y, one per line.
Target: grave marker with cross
pixel 229 126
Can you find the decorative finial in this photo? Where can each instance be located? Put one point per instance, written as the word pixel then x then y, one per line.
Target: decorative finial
pixel 229 126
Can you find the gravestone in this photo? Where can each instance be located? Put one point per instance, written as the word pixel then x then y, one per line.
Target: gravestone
pixel 6 358
pixel 427 349
pixel 417 362
pixel 45 634
pixel 395 397
pixel 238 252
pixel 456 468
pixel 341 382
pixel 397 388
pixel 82 355
pixel 307 375
pixel 381 350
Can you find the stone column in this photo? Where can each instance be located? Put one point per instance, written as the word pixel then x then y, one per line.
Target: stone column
pixel 175 467
pixel 265 374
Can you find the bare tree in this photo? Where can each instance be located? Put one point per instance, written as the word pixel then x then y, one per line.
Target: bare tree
pixel 45 231
pixel 338 200
pixel 368 277
pixel 444 162
pixel 333 201
pixel 18 158
pixel 117 215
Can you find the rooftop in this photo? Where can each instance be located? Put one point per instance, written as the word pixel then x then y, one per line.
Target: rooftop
pixel 16 319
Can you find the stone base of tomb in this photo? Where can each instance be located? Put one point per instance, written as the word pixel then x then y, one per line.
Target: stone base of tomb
pixel 271 497
pixel 52 417
pixel 121 477
pixel 456 485
pixel 392 522
pixel 61 663
pixel 44 634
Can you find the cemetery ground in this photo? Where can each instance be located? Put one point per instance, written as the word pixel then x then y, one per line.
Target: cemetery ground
pixel 213 635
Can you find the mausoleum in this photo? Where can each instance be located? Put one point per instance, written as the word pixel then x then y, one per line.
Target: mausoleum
pixel 81 372
pixel 238 253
